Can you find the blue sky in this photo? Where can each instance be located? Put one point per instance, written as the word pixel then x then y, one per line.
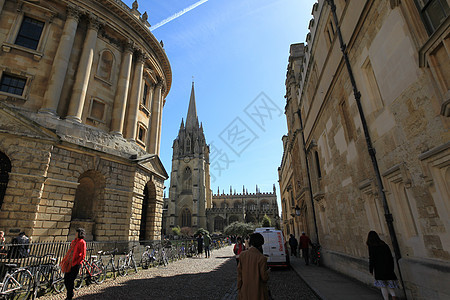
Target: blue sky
pixel 237 51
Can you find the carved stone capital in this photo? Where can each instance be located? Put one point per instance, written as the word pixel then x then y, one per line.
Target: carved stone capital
pixel 94 22
pixel 128 45
pixel 73 12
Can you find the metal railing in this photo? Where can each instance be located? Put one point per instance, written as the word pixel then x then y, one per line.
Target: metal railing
pixel 34 254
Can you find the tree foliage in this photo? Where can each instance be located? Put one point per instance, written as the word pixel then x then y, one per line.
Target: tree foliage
pixel 266 222
pixel 186 231
pixel 239 228
pixel 176 230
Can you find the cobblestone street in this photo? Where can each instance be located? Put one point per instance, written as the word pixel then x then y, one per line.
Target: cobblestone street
pixel 191 278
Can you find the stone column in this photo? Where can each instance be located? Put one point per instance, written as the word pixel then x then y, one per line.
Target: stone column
pixel 83 72
pixel 120 101
pixel 155 119
pixel 161 105
pixel 136 94
pixel 150 97
pixel 61 62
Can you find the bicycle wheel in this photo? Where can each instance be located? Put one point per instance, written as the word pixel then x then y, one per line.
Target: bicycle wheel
pixel 19 285
pixel 122 267
pixel 99 272
pixel 145 261
pixel 79 280
pixel 133 264
pixel 111 268
pixel 58 280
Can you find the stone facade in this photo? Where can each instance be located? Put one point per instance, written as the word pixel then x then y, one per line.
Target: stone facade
pixel 81 94
pixel 241 207
pixel 398 56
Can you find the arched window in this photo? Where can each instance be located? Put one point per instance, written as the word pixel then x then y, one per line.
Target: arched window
pixel 224 205
pixel 237 204
pixel 186 218
pixel 5 168
pixel 187 179
pixel 105 65
pixel 188 145
pixel 84 197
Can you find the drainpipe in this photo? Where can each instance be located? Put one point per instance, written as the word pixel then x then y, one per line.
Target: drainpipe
pixel 371 150
pixel 308 175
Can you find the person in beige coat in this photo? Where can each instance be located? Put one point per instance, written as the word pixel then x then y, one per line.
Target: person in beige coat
pixel 252 271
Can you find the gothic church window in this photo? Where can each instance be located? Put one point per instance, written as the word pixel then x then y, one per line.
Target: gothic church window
pixel 29 33
pixel 186 218
pixel 187 176
pixel 188 145
pixel 5 168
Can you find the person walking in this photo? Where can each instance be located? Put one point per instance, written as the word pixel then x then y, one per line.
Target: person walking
pixel 238 248
pixel 381 265
pixel 253 273
pixel 207 243
pixel 293 243
pixel 304 245
pixel 200 245
pixel 71 262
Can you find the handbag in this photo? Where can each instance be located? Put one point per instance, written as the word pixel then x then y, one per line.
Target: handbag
pixel 66 262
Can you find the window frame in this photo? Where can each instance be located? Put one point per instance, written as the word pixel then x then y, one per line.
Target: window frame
pixel 15 73
pixel 138 140
pixel 427 22
pixel 33 11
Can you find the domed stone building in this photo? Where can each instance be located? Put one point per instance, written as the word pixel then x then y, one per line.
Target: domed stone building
pixel 82 89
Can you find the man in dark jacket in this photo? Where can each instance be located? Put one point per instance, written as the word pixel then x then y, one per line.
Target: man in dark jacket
pixel 21 242
pixel 304 245
pixel 293 243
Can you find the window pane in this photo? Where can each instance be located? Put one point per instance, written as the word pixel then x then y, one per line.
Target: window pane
pixel 12 84
pixel 30 33
pixel 436 13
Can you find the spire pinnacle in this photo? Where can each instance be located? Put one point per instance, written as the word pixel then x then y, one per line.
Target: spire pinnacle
pixel 191 118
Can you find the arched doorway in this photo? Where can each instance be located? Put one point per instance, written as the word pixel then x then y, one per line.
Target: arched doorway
pixel 87 204
pixel 148 226
pixel 5 168
pixel 218 223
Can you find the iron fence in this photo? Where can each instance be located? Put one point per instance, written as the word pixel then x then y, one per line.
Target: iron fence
pixel 38 253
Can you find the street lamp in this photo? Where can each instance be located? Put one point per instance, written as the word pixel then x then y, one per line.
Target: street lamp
pixel 297 210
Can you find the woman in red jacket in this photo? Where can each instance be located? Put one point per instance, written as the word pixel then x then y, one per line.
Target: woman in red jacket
pixel 75 255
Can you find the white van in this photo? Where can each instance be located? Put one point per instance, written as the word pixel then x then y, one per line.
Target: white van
pixel 274 246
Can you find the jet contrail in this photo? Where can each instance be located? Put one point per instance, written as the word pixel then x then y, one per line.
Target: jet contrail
pixel 178 14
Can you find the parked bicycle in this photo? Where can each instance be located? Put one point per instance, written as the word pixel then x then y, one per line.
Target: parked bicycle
pixel 47 275
pixel 91 269
pixel 127 262
pixel 148 258
pixel 18 284
pixel 315 254
pixel 111 266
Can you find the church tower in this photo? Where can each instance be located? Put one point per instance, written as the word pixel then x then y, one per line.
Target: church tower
pixel 190 191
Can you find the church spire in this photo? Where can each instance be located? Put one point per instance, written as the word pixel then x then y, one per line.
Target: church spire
pixel 192 119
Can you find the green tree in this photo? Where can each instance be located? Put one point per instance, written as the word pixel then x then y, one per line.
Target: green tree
pixel 266 222
pixel 176 230
pixel 239 228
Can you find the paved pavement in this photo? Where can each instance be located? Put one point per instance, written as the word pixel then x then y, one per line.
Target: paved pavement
pixel 330 285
